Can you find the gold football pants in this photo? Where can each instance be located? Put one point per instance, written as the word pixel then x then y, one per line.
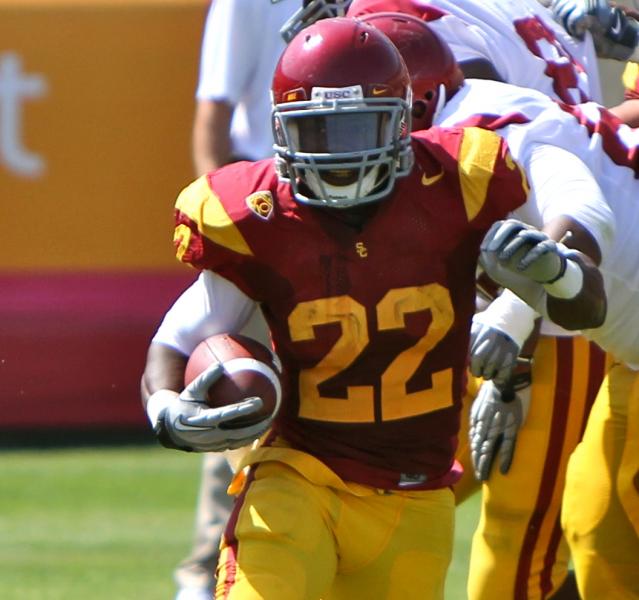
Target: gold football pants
pixel 303 534
pixel 518 551
pixel 600 512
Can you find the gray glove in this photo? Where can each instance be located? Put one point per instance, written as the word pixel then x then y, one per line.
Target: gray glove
pixel 524 250
pixel 186 422
pixel 493 353
pixel 495 418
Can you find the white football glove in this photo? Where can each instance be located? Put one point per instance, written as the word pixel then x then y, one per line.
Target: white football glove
pixel 494 424
pixel 525 251
pixel 185 421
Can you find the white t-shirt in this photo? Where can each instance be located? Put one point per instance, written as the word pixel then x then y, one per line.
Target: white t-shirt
pixel 604 147
pixel 240 49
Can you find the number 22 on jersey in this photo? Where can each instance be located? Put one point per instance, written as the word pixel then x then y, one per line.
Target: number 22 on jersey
pixel 396 402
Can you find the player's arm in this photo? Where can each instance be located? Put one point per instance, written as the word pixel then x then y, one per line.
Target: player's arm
pixel 211 140
pixel 181 418
pixel 578 275
pixel 628 110
pixel 554 268
pixel 559 281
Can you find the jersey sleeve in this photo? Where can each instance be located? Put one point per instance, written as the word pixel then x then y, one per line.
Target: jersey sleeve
pixel 211 305
pixel 467 42
pixel 562 184
pixel 492 183
pixel 206 235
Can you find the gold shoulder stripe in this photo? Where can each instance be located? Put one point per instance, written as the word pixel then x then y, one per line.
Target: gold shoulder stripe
pixel 203 206
pixel 477 157
pixel 629 77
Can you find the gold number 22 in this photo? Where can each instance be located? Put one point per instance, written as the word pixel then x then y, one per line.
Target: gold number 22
pixel 396 402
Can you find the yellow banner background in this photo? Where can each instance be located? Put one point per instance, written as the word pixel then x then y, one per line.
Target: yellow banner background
pixel 109 118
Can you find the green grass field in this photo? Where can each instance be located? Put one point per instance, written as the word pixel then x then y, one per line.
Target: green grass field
pixel 111 523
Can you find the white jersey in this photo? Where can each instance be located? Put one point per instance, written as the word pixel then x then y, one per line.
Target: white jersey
pixel 519 37
pixel 609 150
pixel 240 49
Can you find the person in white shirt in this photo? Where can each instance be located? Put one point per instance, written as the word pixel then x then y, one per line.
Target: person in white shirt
pixel 240 48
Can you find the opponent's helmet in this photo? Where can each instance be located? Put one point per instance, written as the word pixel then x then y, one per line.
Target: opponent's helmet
pixel 311 11
pixel 341 114
pixel 434 72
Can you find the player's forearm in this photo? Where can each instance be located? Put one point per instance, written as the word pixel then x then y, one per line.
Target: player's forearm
pixel 586 310
pixel 628 112
pixel 164 369
pixel 211 136
pixel 569 306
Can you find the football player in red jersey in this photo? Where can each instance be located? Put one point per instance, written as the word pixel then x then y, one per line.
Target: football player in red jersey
pixel 360 245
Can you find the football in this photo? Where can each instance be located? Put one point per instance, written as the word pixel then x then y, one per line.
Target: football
pixel 250 369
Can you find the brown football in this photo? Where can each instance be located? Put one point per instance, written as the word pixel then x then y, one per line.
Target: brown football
pixel 250 369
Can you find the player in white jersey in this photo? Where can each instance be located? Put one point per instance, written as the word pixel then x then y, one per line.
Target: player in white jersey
pixel 518 550
pixel 600 511
pixel 601 504
pixel 607 147
pixel 519 39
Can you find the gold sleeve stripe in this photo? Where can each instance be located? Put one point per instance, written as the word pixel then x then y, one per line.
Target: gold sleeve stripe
pixel 477 157
pixel 629 76
pixel 202 205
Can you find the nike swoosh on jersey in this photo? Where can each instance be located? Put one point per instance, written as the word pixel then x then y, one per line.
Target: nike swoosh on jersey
pixel 427 181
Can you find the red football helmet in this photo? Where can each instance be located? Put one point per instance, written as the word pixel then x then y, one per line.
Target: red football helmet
pixel 341 114
pixel 311 11
pixel 434 72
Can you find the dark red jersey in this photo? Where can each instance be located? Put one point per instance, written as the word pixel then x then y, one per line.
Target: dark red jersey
pixel 370 316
